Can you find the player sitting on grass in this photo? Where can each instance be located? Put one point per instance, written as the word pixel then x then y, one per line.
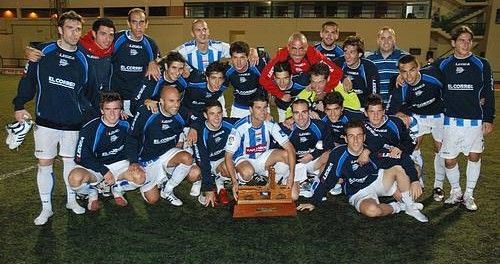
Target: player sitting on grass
pixel 363 184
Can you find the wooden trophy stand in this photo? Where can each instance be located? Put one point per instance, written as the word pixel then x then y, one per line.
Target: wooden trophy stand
pixel 264 201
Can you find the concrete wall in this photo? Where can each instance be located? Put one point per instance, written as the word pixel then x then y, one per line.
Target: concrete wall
pixel 493 41
pixel 269 33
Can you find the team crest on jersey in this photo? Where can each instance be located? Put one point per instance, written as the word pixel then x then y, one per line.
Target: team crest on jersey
pixel 113 138
pixel 230 140
pixel 355 166
pixel 165 127
pixel 302 139
pixel 460 70
pixel 418 93
pixel 217 140
pixel 63 62
pixel 133 52
pixel 243 79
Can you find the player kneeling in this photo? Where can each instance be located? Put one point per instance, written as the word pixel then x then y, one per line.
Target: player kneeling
pixel 100 156
pixel 154 144
pixel 363 184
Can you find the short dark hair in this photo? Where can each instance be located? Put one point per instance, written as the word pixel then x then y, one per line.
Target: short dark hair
pixel 456 32
pixel 136 10
pixel 108 97
pixel 355 41
pixel 408 59
pixel 70 15
pixel 320 69
pixel 354 124
pixel 282 66
pixel 258 98
pixel 300 101
pixel 171 57
pixel 239 47
pixel 329 24
pixel 215 67
pixel 373 99
pixel 211 104
pixel 333 97
pixel 103 21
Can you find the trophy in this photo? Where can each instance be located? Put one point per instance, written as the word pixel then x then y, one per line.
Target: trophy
pixel 264 201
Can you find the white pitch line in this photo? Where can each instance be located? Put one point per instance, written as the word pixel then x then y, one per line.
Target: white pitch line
pixel 17 172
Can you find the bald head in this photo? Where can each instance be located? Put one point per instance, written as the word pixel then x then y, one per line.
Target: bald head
pixel 170 100
pixel 168 90
pixel 297 36
pixel 297 46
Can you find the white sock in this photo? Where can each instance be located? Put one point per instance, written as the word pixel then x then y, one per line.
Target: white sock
pixel 122 186
pixel 439 171
pixel 282 170
pixel 417 155
pixel 473 169
pixel 395 207
pixel 178 175
pixel 406 198
pixel 219 183
pixel 84 189
pixel 45 182
pixel 68 165
pixel 453 176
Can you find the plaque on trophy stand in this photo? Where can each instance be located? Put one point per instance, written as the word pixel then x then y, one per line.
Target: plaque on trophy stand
pixel 264 201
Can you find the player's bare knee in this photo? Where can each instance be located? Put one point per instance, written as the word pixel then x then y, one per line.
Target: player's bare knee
pixel 450 163
pixel 194 174
pixel 139 178
pixel 186 158
pixel 76 177
pixel 372 210
pixel 474 157
pixel 151 197
pixel 246 172
pixel 45 162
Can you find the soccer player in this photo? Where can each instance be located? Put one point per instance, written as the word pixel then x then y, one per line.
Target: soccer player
pixel 199 93
pixel 360 73
pixel 244 78
pixel 301 57
pixel 469 104
pixel 386 59
pixel 336 116
pixel 248 150
pixel 290 87
pixel 59 81
pixel 310 138
pixel 315 91
pixel 153 144
pixel 133 51
pixel 201 51
pixel 100 155
pixel 389 141
pixel 420 96
pixel 364 183
pixel 329 34
pixel 97 45
pixel 209 149
pixel 149 93
pixel 335 119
